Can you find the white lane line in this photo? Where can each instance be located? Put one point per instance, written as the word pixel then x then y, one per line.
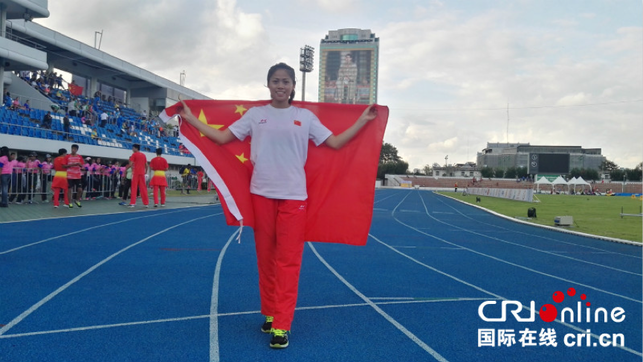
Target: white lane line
pixel 214 303
pixel 494 294
pixel 84 230
pixel 379 310
pixel 208 316
pixel 525 246
pixel 508 262
pixel 34 307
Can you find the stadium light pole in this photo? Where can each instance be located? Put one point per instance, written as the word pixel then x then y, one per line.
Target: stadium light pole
pixel 306 57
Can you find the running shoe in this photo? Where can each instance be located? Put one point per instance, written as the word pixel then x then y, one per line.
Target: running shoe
pixel 131 206
pixel 123 203
pixel 156 205
pixel 55 206
pixel 71 206
pixel 267 325
pixel 78 204
pixel 162 205
pixel 279 338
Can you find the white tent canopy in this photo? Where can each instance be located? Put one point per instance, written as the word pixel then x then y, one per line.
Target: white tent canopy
pixel 559 181
pixel 543 181
pixel 580 181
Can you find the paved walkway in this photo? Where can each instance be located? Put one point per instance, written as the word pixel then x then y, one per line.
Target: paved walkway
pixel 42 210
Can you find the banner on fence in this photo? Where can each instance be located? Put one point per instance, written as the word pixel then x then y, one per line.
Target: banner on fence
pixel 511 194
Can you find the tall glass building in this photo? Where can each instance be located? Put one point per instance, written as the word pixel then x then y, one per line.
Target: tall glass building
pixel 348 65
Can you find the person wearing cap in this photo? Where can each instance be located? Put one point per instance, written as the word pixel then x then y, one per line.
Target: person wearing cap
pixel 159 165
pixel 60 179
pixel 46 167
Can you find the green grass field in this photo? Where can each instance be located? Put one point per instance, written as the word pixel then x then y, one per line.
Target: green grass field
pixel 597 215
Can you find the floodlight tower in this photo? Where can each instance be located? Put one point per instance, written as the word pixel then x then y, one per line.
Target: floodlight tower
pixel 306 57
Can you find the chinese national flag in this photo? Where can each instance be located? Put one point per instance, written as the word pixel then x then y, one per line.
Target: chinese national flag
pixel 75 89
pixel 340 183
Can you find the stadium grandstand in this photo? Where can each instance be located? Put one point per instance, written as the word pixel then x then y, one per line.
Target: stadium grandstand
pixel 109 104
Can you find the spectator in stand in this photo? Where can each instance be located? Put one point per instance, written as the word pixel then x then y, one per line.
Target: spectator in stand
pixel 159 166
pixel 66 126
pixel 71 108
pixel 74 165
pixel 26 107
pixel 15 105
pixel 46 120
pixel 95 134
pixel 138 162
pixel 7 100
pixel 45 177
pixel 5 178
pixel 60 179
pixel 59 81
pixel 103 119
pixel 33 167
pixel 19 180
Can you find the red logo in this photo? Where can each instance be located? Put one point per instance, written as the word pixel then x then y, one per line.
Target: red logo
pixel 297 123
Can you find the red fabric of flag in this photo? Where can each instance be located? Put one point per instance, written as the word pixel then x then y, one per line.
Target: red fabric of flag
pixel 75 89
pixel 340 183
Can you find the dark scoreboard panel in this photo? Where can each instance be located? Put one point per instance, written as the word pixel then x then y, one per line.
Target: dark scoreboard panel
pixel 550 163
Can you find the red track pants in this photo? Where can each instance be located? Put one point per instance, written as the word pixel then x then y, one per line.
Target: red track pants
pixel 279 241
pixel 138 183
pixel 156 194
pixel 57 195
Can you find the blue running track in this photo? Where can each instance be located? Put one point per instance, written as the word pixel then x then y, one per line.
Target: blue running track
pixel 175 285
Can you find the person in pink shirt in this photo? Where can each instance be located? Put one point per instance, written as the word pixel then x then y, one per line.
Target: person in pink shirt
pixel 33 170
pixel 45 167
pixel 5 178
pixel 18 181
pixel 74 164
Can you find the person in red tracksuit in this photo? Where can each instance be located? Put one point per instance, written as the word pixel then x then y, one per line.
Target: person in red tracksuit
pixel 60 178
pixel 280 135
pixel 138 162
pixel 159 165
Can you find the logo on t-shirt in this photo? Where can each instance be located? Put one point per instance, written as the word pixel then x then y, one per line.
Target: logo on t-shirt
pixel 297 123
pixel 263 121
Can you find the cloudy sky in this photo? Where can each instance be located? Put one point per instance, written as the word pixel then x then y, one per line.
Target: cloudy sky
pixel 570 72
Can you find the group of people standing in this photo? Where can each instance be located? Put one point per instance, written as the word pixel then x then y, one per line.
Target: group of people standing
pixel 71 175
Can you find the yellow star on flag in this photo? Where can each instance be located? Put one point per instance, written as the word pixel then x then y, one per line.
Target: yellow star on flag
pixel 240 109
pixel 205 121
pixel 242 158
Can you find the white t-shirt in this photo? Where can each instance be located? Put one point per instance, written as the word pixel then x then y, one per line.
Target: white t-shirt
pixel 279 148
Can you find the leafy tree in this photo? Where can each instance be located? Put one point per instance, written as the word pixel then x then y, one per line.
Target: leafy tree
pixel 617 175
pixel 389 153
pixel 427 170
pixel 392 168
pixel 522 172
pixel 633 175
pixel 499 172
pixel 608 166
pixel 390 162
pixel 486 172
pixel 510 172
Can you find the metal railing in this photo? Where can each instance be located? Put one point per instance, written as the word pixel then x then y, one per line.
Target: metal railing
pixel 33 185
